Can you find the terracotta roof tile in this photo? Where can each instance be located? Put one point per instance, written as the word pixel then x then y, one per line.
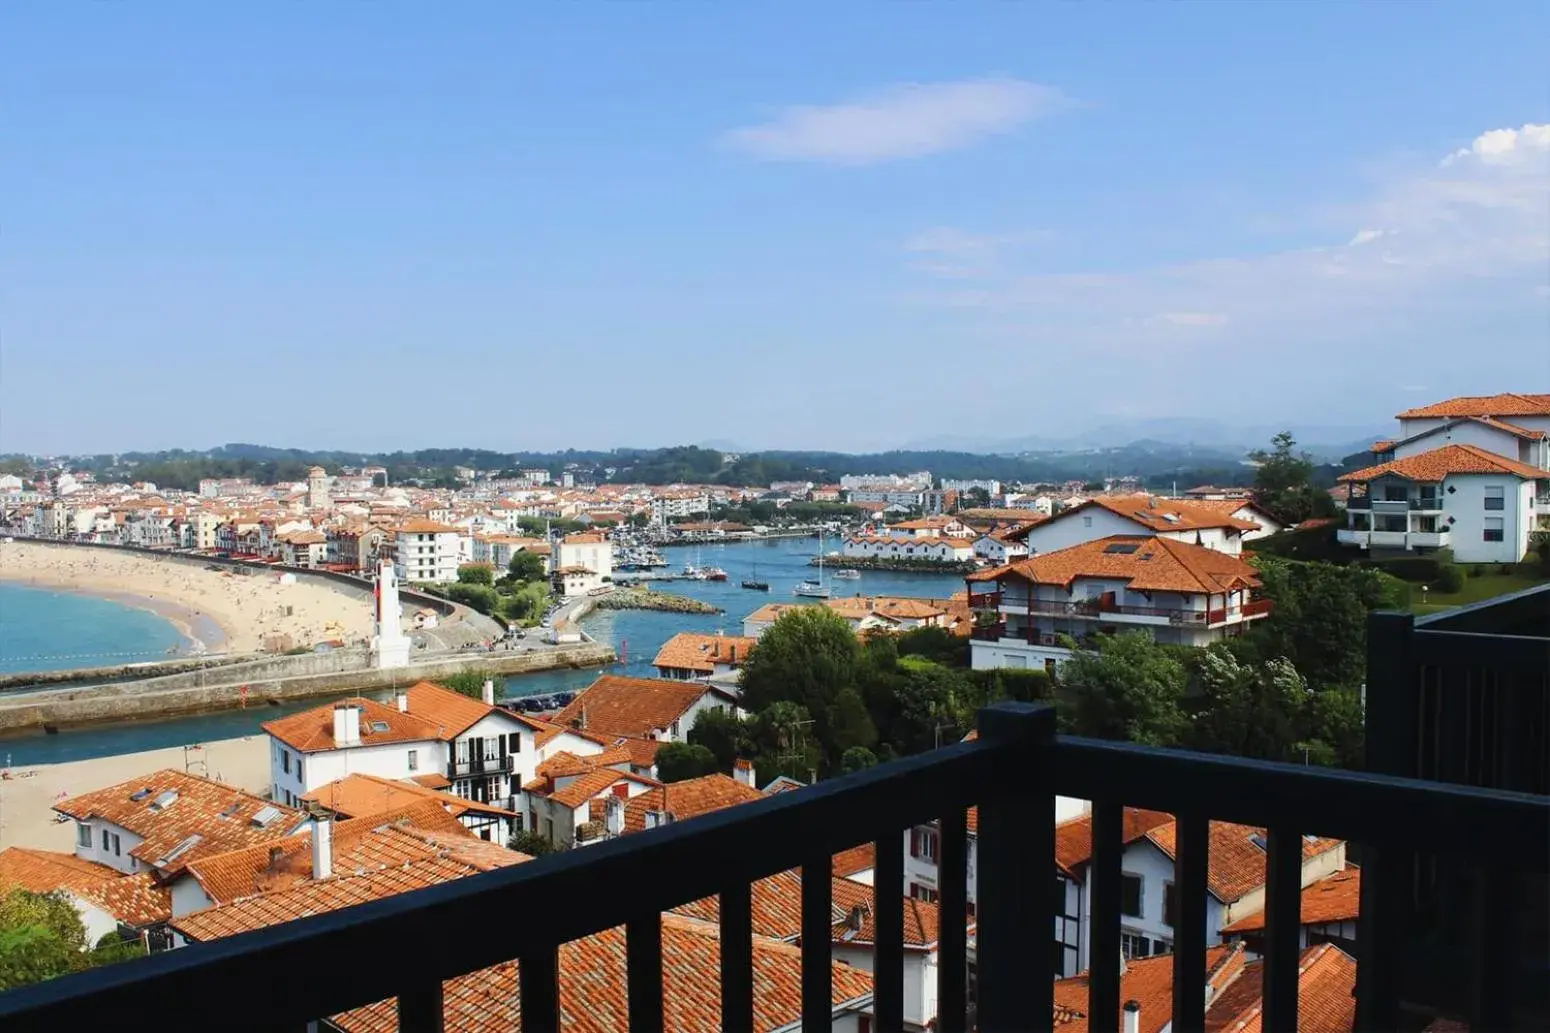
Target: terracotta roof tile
pixel 1147 981
pixel 777 911
pixel 1237 863
pixel 43 871
pixel 1326 995
pixel 1146 564
pixel 1161 514
pixel 688 799
pixel 1438 463
pixel 357 796
pixel 642 707
pixel 1482 405
pixel 584 787
pixel 1074 838
pixel 135 900
pixel 593 987
pixel 1336 898
pixel 452 712
pixel 692 651
pixel 312 731
pixel 856 859
pixel 205 817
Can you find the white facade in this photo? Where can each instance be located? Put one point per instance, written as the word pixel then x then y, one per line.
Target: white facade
pixel 938 550
pixel 671 507
pixel 107 843
pixel 292 773
pixel 1094 522
pixel 997 552
pixel 1483 518
pixel 428 556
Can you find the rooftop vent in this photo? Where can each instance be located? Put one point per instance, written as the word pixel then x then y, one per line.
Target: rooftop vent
pixel 179 850
pixel 1172 518
pixel 1259 840
pixel 265 816
pixel 139 794
pixel 236 805
pixel 164 799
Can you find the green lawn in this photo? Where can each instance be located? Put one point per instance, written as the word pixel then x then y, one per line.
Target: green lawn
pixel 1475 589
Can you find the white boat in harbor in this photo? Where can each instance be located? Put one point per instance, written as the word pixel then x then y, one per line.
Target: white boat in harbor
pixel 847 575
pixel 815 589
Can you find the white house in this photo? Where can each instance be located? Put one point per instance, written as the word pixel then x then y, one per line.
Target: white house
pixel 688 655
pixel 581 563
pixel 428 551
pixel 1181 594
pixel 1328 913
pixel 1183 521
pixel 995 548
pixel 434 736
pixel 1510 412
pixel 1461 497
pixel 498 549
pixel 643 708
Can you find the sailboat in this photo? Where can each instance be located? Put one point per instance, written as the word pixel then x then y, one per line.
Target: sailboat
pixel 815 589
pixel 754 582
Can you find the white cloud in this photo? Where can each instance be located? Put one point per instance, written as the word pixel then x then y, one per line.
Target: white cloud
pixel 1505 146
pixel 1364 237
pixel 908 121
pixel 953 253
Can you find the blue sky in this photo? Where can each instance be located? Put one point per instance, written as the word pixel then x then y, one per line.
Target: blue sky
pixel 789 224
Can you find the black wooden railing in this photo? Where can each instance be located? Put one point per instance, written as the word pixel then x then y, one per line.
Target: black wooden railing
pixel 345 959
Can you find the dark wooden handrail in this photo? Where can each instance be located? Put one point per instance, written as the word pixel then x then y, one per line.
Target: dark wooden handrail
pixel 344 959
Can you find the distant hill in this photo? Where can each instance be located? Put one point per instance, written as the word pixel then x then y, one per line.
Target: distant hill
pixel 1327 443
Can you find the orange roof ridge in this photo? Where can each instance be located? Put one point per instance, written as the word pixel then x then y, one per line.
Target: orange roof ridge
pixel 1438 463
pixel 1482 405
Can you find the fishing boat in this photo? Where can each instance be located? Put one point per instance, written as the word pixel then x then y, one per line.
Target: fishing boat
pixel 847 575
pixel 714 574
pixel 815 589
pixel 754 584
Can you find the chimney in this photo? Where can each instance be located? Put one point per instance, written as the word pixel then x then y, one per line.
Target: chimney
pixel 742 770
pixel 488 693
pixel 656 819
pixel 856 918
pixel 402 699
pixel 353 722
pixel 342 733
pixel 613 816
pixel 323 848
pixel 1132 1022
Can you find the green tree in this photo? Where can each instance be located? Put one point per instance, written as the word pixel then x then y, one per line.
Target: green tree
pixel 1335 728
pixel 531 843
pixel 1283 481
pixel 469 683
pixel 41 937
pixel 857 758
pixel 783 742
pixel 1248 710
pixel 724 734
pixel 936 644
pixel 475 574
pixel 849 725
pixel 1128 688
pixel 677 761
pixel 1319 622
pixel 806 657
pixel 526 566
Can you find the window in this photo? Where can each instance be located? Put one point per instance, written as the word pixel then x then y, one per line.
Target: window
pixel 1060 895
pixel 925 893
pixel 923 844
pixel 1169 903
pixel 285 761
pixel 1493 529
pixel 1130 896
pixel 83 836
pixel 414 760
pixel 1133 945
pixel 299 778
pixel 1496 498
pixel 1087 521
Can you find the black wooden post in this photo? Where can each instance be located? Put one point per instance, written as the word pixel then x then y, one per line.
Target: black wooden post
pixel 1103 954
pixel 952 926
pixel 1190 864
pixel 888 947
pixel 1016 861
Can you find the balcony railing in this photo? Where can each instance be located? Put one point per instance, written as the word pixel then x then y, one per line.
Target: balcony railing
pixel 984 600
pixel 481 766
pixel 1012 772
pixel 988 632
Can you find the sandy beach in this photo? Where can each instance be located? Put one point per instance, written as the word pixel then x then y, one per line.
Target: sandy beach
pixel 224 612
pixel 27 795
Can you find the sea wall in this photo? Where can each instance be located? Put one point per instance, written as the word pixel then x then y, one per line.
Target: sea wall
pixel 274 679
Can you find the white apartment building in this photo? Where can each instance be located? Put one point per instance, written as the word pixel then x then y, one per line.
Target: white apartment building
pixel 1195 523
pixel 497 550
pixel 427 551
pixel 911 498
pixel 433 736
pixel 674 505
pixel 1468 474
pixel 1182 594
pixel 939 550
pixel 989 487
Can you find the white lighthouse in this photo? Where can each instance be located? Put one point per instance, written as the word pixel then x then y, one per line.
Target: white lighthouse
pixel 389 644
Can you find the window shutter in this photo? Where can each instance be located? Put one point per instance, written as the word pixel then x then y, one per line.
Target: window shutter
pixel 914 842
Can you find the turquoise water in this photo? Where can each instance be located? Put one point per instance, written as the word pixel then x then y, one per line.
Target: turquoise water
pixel 635 635
pixel 44 630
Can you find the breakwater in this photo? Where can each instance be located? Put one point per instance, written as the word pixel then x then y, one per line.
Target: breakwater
pixel 645 599
pixel 903 566
pixel 262 682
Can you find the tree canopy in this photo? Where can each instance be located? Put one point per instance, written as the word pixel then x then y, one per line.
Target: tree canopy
pixel 1128 688
pixel 526 566
pixel 677 761
pixel 1284 482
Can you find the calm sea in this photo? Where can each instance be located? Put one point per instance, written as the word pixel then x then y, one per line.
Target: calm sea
pixel 43 630
pixel 635 635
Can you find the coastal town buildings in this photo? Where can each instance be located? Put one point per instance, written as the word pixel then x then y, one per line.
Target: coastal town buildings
pixel 643 708
pixel 1179 593
pixel 427 551
pixel 690 655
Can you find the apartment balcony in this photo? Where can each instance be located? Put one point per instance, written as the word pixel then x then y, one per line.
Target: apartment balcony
pixel 1012 773
pixel 984 600
pixel 1394 539
pixel 481 766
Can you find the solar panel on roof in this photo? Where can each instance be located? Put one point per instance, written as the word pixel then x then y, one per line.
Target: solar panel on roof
pixel 164 799
pixel 139 794
pixel 264 815
pixel 1123 547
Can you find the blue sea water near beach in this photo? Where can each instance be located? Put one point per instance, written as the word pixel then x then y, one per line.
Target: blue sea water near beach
pixel 635 635
pixel 45 630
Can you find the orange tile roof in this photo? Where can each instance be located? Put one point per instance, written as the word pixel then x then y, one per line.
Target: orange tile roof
pixel 424 527
pixel 1147 981
pixel 894 608
pixel 856 859
pixel 1482 405
pixel 452 712
pixel 1326 995
pixel 1154 513
pixel 688 799
pixel 692 651
pixel 593 987
pixel 432 780
pixel 777 911
pixel 642 752
pixel 1152 565
pixel 1448 460
pixel 312 731
pixel 43 871
pixel 1236 865
pixel 583 787
pixel 207 817
pixel 1074 838
pixel 133 899
pixel 617 705
pixel 357 796
pixel 1336 898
